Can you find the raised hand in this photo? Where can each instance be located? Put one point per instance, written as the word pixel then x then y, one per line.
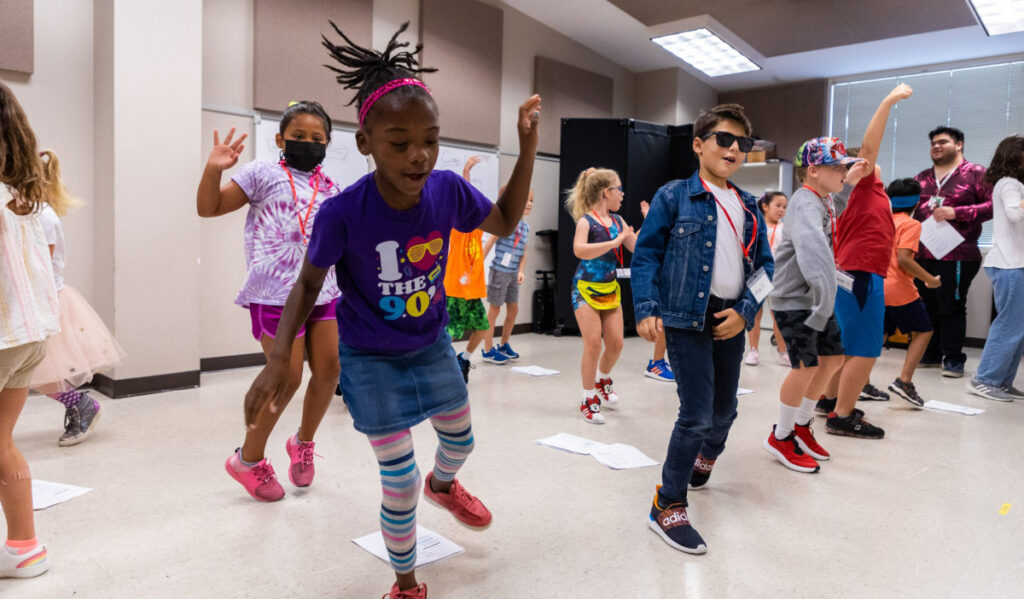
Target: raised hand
pixel 644 207
pixel 900 92
pixel 473 161
pixel 224 155
pixel 527 125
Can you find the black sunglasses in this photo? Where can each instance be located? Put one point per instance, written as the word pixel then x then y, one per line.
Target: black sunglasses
pixel 726 140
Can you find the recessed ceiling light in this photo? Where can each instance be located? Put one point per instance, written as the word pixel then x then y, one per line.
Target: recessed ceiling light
pixel 706 52
pixel 999 16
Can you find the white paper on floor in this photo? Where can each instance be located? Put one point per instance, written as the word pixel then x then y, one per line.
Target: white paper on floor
pixel 619 456
pixel 743 391
pixel 46 494
pixel 430 546
pixel 533 370
pixel 570 443
pixel 949 407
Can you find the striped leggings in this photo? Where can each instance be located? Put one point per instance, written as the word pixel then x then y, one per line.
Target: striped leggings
pixel 400 479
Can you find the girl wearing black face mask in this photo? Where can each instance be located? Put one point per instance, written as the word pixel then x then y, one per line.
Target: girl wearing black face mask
pixel 283 199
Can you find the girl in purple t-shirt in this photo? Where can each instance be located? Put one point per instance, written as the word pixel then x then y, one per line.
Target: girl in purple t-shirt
pixel 386 237
pixel 283 200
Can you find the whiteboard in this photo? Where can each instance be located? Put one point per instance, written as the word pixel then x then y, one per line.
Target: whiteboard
pixel 484 176
pixel 343 163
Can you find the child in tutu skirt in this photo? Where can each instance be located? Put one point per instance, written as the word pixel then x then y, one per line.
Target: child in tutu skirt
pixel 84 345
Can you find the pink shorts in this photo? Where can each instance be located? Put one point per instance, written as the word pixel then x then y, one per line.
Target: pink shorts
pixel 266 318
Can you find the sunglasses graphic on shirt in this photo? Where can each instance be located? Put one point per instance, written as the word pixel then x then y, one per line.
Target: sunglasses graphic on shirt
pixel 726 140
pixel 419 250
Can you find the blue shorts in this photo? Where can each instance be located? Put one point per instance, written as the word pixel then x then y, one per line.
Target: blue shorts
pixel 861 315
pixel 908 318
pixel 388 393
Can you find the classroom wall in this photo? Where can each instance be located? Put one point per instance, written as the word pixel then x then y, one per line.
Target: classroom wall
pixel 787 114
pixel 671 96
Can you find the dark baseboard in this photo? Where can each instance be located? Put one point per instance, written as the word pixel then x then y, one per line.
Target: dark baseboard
pixel 974 342
pixel 229 362
pixel 523 327
pixel 144 385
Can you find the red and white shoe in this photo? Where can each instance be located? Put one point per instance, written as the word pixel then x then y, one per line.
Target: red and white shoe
pixel 805 438
pixel 607 393
pixel 419 592
pixel 590 409
pixel 789 453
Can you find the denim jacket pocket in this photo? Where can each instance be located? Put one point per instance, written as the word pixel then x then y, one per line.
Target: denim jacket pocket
pixel 684 248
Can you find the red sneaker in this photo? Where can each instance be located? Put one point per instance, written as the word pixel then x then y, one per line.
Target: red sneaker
pixel 419 592
pixel 467 509
pixel 789 453
pixel 607 393
pixel 590 409
pixel 810 445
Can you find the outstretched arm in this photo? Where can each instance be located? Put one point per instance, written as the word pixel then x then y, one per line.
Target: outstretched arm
pixel 872 142
pixel 211 198
pixel 508 210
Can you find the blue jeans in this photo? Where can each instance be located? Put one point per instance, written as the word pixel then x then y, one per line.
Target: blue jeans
pixel 1005 344
pixel 707 374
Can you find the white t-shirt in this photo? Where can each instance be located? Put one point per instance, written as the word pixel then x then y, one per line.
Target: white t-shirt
pixel 727 273
pixel 1007 225
pixel 55 237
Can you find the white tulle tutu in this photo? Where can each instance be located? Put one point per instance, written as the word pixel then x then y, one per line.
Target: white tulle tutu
pixel 83 347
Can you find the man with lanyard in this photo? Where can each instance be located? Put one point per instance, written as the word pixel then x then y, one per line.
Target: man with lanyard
pixel 952 191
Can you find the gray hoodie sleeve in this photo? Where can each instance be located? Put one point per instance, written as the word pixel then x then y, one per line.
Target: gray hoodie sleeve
pixel 814 259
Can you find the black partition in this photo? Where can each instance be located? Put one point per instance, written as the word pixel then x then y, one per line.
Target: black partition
pixel 646 156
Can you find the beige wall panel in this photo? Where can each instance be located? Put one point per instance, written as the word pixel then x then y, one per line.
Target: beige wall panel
pixel 569 92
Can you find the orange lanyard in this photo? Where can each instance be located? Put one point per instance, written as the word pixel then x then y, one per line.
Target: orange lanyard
pixel 827 201
pixel 618 250
pixel 771 240
pixel 314 182
pixel 753 235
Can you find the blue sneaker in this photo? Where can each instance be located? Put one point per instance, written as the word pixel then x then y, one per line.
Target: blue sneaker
pixel 506 349
pixel 953 369
pixel 494 356
pixel 673 526
pixel 464 366
pixel 660 371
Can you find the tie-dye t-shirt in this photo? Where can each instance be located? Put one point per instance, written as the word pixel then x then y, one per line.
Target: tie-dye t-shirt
pixel 390 264
pixel 274 247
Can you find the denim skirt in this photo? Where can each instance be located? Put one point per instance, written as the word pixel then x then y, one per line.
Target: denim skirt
pixel 387 393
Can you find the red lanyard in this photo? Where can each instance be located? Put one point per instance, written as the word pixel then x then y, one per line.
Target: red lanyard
pixel 831 215
pixel 618 250
pixel 519 234
pixel 314 182
pixel 771 240
pixel 753 234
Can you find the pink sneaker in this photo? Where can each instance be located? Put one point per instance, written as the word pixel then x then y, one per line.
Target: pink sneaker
pixel 467 509
pixel 419 592
pixel 301 454
pixel 259 480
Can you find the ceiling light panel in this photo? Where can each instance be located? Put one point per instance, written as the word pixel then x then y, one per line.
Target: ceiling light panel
pixel 706 52
pixel 999 16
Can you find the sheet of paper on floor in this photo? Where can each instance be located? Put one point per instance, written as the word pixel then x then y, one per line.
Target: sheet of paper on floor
pixel 533 370
pixel 430 546
pixel 619 456
pixel 570 443
pixel 46 494
pixel 939 237
pixel 743 391
pixel 949 407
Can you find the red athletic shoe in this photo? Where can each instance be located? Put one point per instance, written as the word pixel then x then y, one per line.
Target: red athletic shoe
pixel 467 509
pixel 810 445
pixel 789 453
pixel 419 592
pixel 607 393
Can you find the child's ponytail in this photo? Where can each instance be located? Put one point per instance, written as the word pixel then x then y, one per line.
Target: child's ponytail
pixel 586 193
pixel 55 194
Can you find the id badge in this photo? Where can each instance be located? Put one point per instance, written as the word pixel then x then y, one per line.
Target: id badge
pixel 506 260
pixel 844 280
pixel 936 202
pixel 622 273
pixel 760 285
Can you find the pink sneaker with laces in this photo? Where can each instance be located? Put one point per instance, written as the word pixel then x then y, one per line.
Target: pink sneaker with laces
pixel 301 455
pixel 467 509
pixel 260 481
pixel 419 592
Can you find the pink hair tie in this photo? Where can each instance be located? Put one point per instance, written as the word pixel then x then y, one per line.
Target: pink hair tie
pixel 384 89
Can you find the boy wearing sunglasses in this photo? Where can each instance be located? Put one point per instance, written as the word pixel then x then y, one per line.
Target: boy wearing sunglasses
pixel 701 269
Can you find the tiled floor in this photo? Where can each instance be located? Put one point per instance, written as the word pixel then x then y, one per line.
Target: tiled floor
pixel 913 515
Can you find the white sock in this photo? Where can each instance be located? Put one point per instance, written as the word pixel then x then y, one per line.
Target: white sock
pixel 589 394
pixel 805 413
pixel 465 356
pixel 787 417
pixel 603 375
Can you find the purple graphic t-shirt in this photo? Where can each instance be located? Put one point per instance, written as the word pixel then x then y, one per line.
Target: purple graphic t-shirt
pixel 390 263
pixel 965 191
pixel 274 246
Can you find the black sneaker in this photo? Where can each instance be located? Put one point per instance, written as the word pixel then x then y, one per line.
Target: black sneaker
pixel 701 471
pixel 825 406
pixel 673 526
pixel 907 391
pixel 953 369
pixel 853 425
pixel 873 393
pixel 464 366
pixel 80 421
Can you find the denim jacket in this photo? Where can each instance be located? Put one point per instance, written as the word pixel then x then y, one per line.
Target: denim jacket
pixel 675 253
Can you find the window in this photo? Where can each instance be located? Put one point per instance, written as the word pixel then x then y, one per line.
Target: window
pixel 985 102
